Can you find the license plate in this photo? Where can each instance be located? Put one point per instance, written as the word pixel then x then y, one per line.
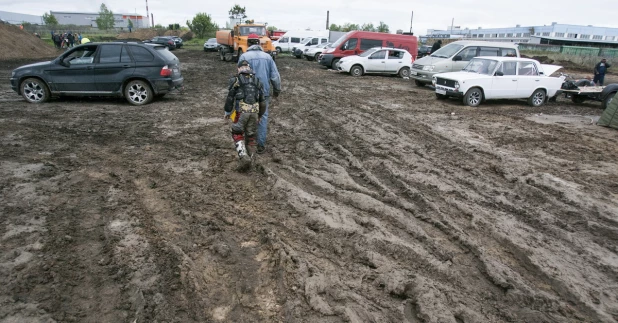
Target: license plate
pixel 413 73
pixel 440 91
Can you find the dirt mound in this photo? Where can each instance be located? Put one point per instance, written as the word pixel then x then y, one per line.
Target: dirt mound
pixel 21 44
pixel 541 59
pixel 149 33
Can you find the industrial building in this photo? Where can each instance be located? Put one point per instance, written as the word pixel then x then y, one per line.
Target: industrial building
pixel 121 20
pixel 558 34
pixel 20 18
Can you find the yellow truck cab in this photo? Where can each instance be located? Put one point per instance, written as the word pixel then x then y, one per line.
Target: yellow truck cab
pixel 234 43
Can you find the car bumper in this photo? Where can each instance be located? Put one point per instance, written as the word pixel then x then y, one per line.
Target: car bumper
pixel 14 84
pixel 164 85
pixel 423 76
pixel 326 59
pixel 448 91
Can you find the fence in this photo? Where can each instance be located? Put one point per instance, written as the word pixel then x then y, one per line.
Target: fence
pixel 571 50
pixel 45 31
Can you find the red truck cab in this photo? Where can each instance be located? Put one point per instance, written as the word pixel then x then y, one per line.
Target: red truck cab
pixel 356 42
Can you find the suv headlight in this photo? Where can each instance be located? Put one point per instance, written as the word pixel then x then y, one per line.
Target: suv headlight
pixel 428 68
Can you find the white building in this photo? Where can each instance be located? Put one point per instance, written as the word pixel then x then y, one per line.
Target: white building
pixel 18 18
pixel 121 20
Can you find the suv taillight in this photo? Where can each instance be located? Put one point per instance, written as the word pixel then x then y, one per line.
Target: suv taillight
pixel 166 71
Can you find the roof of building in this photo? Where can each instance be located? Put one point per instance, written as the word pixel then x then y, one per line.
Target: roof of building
pixel 94 13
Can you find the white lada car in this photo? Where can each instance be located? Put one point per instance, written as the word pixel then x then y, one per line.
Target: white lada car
pixel 486 78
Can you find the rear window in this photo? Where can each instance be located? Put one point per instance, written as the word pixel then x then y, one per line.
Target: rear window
pixel 165 53
pixel 141 54
pixel 110 54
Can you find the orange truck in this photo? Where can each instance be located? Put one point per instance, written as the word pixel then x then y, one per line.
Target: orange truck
pixel 235 42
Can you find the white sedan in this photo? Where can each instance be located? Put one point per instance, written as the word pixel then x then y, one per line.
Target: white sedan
pixel 486 78
pixel 313 52
pixel 378 60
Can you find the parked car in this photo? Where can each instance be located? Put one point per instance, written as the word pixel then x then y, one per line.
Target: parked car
pixel 455 56
pixel 314 52
pixel 178 41
pixel 211 45
pixel 423 51
pixel 298 50
pixel 378 60
pixel 138 72
pixel 163 40
pixel 293 38
pixel 356 42
pixel 486 78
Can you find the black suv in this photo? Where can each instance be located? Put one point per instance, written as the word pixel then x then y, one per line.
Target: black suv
pixel 139 72
pixel 423 51
pixel 167 41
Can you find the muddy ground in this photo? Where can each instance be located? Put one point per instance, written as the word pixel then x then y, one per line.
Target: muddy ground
pixel 374 203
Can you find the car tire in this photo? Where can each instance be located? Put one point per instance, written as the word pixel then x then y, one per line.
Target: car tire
pixel 221 55
pixel 578 99
pixel 419 83
pixel 138 92
pixel 473 97
pixel 537 98
pixel 34 90
pixel 608 100
pixel 333 64
pixel 278 50
pixel 310 58
pixel 356 70
pixel 317 57
pixel 441 96
pixel 404 72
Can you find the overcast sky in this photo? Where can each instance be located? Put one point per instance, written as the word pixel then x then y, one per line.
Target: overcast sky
pixel 292 15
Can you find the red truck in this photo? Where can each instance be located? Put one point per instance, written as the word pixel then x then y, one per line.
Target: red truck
pixel 356 42
pixel 275 34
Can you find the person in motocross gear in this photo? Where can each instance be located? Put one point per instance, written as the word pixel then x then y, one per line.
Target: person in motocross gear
pixel 245 105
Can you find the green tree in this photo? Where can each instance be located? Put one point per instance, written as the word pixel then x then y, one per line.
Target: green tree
pixel 349 27
pixel 50 19
pixel 202 24
pixel 368 27
pixel 334 27
pixel 105 20
pixel 383 28
pixel 237 12
pixel 272 28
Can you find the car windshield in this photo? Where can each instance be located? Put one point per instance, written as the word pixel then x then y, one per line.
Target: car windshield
pixel 447 51
pixel 307 41
pixel 340 40
pixel 212 40
pixel 481 66
pixel 258 30
pixel 368 52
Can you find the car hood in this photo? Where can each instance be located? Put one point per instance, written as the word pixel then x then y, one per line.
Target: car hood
pixel 32 65
pixel 428 60
pixel 349 58
pixel 549 69
pixel 461 76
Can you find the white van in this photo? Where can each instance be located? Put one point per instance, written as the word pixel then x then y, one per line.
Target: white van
pixel 455 56
pixel 298 50
pixel 293 39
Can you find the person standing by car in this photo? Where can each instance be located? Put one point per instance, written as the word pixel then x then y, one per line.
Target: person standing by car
pixel 436 46
pixel 599 71
pixel 266 71
pixel 71 39
pixel 246 99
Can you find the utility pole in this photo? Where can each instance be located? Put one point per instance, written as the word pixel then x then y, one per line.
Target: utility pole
pixel 411 20
pixel 327 18
pixel 147 12
pixel 452 23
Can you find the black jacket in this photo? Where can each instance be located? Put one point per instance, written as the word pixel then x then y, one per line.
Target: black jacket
pixel 234 89
pixel 436 46
pixel 596 67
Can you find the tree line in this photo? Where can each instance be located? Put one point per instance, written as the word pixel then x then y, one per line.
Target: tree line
pixel 382 27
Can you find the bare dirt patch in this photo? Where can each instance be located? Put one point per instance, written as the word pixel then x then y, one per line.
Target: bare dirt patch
pixel 374 203
pixel 17 43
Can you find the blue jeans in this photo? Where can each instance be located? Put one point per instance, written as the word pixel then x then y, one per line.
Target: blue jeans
pixel 263 126
pixel 600 78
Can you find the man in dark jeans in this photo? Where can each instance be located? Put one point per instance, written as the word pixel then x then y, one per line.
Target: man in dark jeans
pixel 599 71
pixel 71 39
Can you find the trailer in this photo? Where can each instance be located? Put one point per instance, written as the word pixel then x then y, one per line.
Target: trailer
pixel 603 94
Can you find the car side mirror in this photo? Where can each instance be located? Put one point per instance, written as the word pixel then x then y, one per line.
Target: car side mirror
pixel 499 73
pixel 457 58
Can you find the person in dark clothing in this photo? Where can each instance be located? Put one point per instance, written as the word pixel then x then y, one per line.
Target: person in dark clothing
pixel 57 40
pixel 436 46
pixel 71 39
pixel 245 105
pixel 599 71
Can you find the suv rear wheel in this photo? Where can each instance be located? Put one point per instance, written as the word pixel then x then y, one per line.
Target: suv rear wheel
pixel 34 90
pixel 138 92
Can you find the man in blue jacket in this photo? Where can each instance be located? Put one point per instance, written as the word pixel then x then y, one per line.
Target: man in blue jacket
pixel 266 71
pixel 599 71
